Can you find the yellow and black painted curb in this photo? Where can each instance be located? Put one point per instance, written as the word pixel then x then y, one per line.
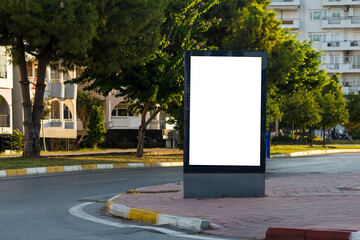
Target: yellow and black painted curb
pixel 79 168
pixel 153 217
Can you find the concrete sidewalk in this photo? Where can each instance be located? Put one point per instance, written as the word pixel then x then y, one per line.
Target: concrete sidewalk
pixel 301 201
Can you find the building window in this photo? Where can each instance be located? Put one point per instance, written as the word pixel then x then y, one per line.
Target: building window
pixel 3 66
pixel 317 37
pixel 335 37
pixel 121 110
pixel 318 15
pixel 55 111
pixel 322 58
pixel 67 113
pixel 334 61
pixel 355 81
pixel 356 61
pixel 335 14
pixel 55 75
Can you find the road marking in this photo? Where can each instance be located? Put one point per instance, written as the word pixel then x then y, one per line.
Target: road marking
pixel 99 196
pixel 78 211
pixel 105 180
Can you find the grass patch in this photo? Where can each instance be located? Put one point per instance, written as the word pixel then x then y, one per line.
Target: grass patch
pixel 21 162
pixel 278 149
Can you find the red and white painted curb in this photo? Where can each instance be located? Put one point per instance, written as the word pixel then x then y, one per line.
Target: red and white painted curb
pixel 310 234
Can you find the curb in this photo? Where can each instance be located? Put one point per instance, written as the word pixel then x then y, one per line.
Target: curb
pixel 80 168
pixel 315 152
pixel 309 234
pixel 153 217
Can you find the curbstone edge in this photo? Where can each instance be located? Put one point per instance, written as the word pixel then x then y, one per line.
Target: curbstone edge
pixel 154 217
pixel 79 168
pixel 310 234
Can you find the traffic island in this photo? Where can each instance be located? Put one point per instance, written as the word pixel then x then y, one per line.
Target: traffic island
pixel 153 217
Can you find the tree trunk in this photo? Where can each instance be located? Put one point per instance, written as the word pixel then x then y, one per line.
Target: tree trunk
pixel 84 125
pixel 142 128
pixel 310 137
pixel 32 119
pixel 324 137
pixel 140 145
pixel 43 133
pixel 28 126
pixel 276 127
pixel 292 128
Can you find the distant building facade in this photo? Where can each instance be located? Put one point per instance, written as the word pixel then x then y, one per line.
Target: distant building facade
pixel 334 26
pixel 122 125
pixel 6 103
pixel 62 121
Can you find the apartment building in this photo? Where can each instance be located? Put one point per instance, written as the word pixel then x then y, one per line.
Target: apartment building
pixel 122 125
pixel 6 85
pixel 334 26
pixel 62 121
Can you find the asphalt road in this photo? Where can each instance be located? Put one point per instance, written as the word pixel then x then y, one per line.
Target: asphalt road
pixel 334 163
pixel 38 207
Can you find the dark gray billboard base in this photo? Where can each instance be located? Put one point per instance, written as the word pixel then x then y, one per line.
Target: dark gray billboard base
pixel 224 185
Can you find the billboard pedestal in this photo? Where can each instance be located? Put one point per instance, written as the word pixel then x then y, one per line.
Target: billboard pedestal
pixel 221 185
pixel 224 156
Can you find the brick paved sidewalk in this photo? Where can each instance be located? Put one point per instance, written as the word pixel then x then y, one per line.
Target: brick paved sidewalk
pixel 316 201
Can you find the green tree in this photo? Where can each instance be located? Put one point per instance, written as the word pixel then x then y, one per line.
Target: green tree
pixel 157 84
pixel 86 33
pixel 253 27
pixel 332 104
pixel 301 109
pixel 96 126
pixel 84 103
pixel 353 107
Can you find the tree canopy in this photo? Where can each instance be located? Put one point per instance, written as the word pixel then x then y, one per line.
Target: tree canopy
pixel 101 35
pixel 158 83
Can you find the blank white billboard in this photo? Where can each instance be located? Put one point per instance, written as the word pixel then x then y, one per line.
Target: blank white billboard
pixel 225 111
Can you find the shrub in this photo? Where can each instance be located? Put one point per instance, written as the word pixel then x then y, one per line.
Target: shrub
pixel 281 140
pixel 355 133
pixel 96 126
pixel 17 141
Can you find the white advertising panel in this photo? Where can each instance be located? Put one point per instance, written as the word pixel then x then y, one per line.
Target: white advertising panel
pixel 225 111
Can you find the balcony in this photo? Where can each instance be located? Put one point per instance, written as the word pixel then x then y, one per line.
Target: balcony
pixel 290 23
pixel 119 122
pixel 57 90
pixel 4 120
pixel 329 3
pixel 284 4
pixel 341 67
pixel 347 45
pixel 69 125
pixel 70 91
pixel 55 128
pixel 341 22
pixel 349 89
pixel 60 90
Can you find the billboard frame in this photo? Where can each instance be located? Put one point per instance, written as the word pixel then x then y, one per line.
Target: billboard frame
pixel 187 104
